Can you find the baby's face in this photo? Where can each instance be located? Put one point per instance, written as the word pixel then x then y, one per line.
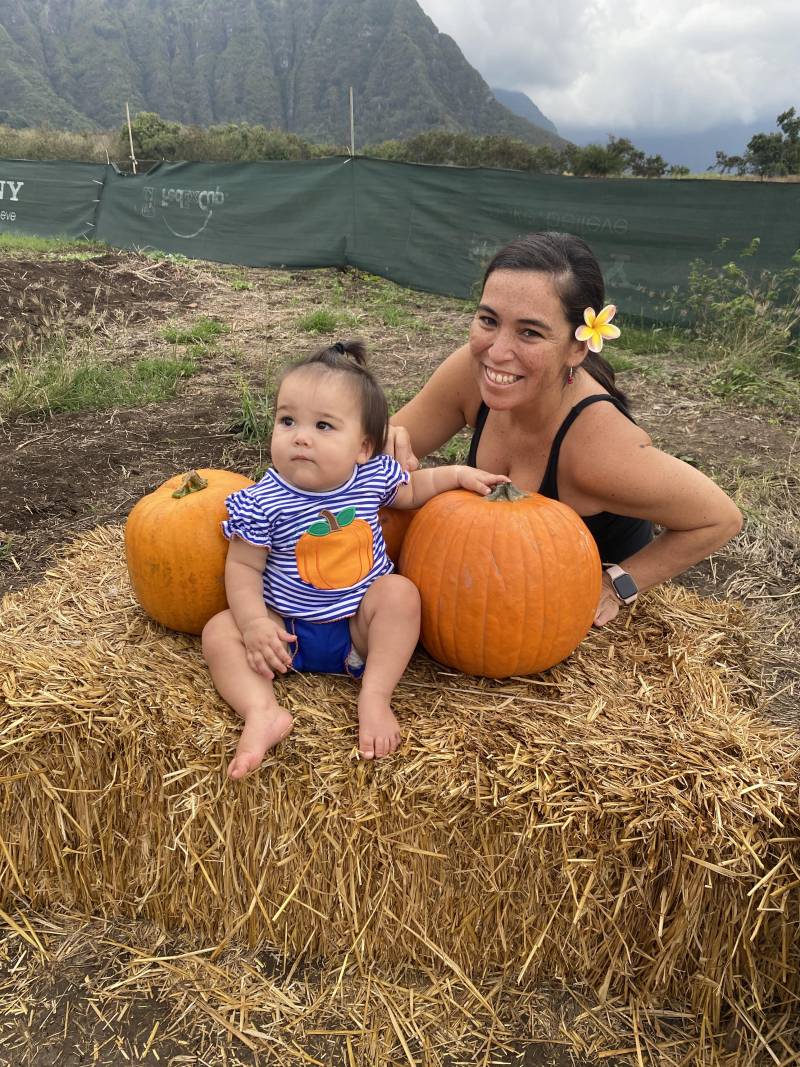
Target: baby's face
pixel 318 436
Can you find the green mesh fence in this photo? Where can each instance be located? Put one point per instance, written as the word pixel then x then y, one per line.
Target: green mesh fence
pixel 49 199
pixel 257 214
pixel 429 227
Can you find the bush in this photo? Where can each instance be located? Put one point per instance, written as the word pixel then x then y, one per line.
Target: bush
pixel 464 150
pixel 749 316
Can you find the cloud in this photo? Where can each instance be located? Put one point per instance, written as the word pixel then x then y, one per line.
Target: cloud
pixel 685 65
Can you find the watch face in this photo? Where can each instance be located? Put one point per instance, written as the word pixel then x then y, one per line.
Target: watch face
pixel 624 586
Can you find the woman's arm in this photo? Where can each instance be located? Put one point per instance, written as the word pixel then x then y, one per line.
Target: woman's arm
pixel 444 405
pixel 628 476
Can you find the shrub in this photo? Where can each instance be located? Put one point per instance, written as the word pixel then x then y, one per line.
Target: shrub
pixel 748 316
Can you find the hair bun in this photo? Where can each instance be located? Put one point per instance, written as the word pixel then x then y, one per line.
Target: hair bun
pixel 354 350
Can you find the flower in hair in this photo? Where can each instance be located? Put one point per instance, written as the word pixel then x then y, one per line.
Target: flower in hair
pixel 598 328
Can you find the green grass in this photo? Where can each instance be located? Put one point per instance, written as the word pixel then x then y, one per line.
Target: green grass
pixel 6 546
pixel 326 320
pixel 771 388
pixel 160 257
pixel 17 242
pixel 645 340
pixel 397 396
pixel 241 285
pixel 457 448
pixel 52 385
pixel 619 360
pixel 255 418
pixel 204 332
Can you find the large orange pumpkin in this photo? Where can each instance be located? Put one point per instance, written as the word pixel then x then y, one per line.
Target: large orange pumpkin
pixel 509 582
pixel 176 551
pixel 394 524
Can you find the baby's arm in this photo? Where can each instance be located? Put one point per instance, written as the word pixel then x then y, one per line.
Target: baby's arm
pixel 431 481
pixel 264 640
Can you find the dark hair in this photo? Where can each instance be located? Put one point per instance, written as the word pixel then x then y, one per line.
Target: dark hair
pixel 578 281
pixel 350 358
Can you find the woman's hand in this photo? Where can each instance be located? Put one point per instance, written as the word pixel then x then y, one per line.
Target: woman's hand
pixel 608 605
pixel 265 647
pixel 478 481
pixel 398 445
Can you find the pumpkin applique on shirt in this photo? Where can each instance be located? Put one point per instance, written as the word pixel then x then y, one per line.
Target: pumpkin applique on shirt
pixel 336 551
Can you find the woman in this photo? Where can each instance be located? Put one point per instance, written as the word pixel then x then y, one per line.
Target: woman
pixel 546 412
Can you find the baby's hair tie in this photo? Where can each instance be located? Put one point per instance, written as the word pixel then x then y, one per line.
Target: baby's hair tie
pixel 339 348
pixel 597 327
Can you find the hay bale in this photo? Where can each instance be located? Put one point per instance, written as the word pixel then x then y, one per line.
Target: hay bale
pixel 627 822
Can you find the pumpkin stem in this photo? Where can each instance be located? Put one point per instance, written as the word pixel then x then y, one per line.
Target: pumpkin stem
pixel 330 518
pixel 192 483
pixel 506 491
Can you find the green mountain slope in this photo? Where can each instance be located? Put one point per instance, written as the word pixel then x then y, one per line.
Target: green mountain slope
pixel 521 104
pixel 283 63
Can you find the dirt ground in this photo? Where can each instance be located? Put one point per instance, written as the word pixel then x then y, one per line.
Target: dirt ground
pixel 63 474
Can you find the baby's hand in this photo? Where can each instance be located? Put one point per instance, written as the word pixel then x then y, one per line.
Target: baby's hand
pixel 265 648
pixel 478 481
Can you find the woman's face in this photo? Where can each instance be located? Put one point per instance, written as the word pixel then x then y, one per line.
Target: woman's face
pixel 520 341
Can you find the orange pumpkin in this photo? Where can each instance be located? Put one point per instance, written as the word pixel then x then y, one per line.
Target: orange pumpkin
pixel 394 524
pixel 336 552
pixel 509 582
pixel 176 550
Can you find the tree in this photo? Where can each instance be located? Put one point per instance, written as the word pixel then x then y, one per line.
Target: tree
pixel 768 154
pixel 649 166
pixel 153 137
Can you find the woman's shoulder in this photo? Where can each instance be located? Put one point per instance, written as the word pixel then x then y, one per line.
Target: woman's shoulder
pixel 598 411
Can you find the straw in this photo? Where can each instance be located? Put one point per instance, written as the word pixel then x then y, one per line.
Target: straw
pixel 627 823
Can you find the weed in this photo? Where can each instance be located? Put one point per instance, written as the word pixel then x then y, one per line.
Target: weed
pixel 770 387
pixel 752 316
pixel 324 320
pixel 204 332
pixel 163 257
pixel 619 361
pixel 456 450
pixel 6 547
pixel 646 340
pixel 13 242
pixel 256 416
pixel 241 285
pixel 397 396
pixel 48 377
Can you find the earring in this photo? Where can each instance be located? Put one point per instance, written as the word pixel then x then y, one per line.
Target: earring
pixel 571 376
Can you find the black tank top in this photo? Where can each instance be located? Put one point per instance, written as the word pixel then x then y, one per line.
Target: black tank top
pixel 617 536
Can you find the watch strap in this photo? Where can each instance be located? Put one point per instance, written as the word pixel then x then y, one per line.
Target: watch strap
pixel 615 572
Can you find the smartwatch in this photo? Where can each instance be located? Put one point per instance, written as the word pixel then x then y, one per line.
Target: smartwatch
pixel 622 583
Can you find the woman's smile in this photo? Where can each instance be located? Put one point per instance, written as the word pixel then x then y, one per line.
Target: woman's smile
pixel 497 377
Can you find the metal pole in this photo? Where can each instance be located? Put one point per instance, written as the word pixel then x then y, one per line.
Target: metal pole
pixel 352 126
pixel 130 135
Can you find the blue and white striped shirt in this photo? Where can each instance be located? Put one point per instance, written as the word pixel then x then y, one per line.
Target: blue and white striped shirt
pixel 321 558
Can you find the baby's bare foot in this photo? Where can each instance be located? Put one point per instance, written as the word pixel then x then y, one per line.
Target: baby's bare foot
pixel 262 731
pixel 378 729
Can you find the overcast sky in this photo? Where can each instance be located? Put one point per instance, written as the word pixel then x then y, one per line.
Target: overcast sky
pixel 678 66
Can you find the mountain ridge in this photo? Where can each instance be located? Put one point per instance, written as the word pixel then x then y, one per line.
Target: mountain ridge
pixel 288 65
pixel 521 104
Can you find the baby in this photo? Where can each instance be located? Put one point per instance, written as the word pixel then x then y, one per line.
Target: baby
pixel 307 577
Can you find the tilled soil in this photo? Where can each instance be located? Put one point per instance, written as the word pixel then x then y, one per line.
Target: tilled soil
pixel 36 293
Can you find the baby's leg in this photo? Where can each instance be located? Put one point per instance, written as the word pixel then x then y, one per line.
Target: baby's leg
pixel 385 632
pixel 249 694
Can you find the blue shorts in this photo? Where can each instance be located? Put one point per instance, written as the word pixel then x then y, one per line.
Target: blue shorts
pixel 323 647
